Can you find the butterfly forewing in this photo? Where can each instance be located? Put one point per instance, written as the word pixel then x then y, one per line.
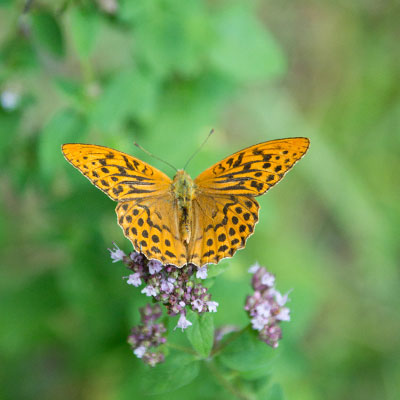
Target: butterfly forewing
pixel 254 170
pixel 225 211
pixel 119 175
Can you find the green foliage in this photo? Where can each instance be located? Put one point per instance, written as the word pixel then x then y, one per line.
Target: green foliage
pixel 247 353
pixel 201 334
pixel 164 73
pixel 179 370
pixel 47 32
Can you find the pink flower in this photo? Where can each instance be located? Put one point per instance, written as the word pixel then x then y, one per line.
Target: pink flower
pixel 258 322
pixel 136 257
pixel 155 266
pixel 268 279
pixel 149 291
pixel 139 351
pixel 254 268
pixel 202 272
pixel 134 279
pixel 167 285
pixel 283 314
pixel 212 306
pixel 281 300
pixel 116 254
pixel 197 305
pixel 183 323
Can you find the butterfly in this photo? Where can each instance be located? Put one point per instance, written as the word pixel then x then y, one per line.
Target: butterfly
pixel 182 221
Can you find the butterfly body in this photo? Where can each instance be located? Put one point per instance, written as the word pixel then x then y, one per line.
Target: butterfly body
pixel 182 220
pixel 183 189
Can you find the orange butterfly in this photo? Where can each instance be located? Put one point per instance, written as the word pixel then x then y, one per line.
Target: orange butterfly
pixel 182 220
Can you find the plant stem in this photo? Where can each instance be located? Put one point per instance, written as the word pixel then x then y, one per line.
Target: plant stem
pixel 224 382
pixel 181 348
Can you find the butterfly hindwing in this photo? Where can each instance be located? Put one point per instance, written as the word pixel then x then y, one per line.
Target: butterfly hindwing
pixel 252 171
pixel 152 227
pixel 119 175
pixel 222 225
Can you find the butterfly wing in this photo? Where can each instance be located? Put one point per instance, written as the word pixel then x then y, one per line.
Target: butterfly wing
pixel 119 175
pixel 225 211
pixel 222 224
pixel 151 224
pixel 252 171
pixel 146 208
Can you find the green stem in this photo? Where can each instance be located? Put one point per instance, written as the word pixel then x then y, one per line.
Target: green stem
pixel 181 348
pixel 224 382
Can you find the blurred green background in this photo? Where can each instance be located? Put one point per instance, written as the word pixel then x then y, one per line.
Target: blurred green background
pixel 163 73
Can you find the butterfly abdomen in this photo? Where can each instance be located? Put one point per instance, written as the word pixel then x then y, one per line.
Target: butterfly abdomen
pixel 183 189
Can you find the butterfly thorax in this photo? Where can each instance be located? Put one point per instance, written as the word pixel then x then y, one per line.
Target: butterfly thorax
pixel 183 188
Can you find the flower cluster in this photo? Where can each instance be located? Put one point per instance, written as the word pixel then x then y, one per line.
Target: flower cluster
pixel 172 286
pixel 266 306
pixel 148 334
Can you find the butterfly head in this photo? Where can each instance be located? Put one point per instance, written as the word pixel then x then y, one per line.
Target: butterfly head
pixel 183 185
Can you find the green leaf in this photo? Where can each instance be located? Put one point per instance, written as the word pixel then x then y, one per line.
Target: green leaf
pixel 201 333
pixel 177 371
pixel 248 353
pixel 129 93
pixel 68 87
pixel 47 31
pixel 243 48
pixel 171 36
pixel 65 126
pixel 275 393
pixel 215 270
pixel 83 27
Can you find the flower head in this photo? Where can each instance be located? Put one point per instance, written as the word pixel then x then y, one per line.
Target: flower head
pixel 174 287
pixel 266 306
pixel 147 335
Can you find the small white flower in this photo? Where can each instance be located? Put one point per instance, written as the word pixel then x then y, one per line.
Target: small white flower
pixel 281 300
pixel 254 268
pixel 268 279
pixel 136 257
pixel 167 285
pixel 116 254
pixel 197 305
pixel 264 310
pixel 183 323
pixel 154 266
pixel 202 272
pixel 283 314
pixel 259 322
pixel 212 306
pixel 9 100
pixel 134 279
pixel 182 303
pixel 139 351
pixel 149 291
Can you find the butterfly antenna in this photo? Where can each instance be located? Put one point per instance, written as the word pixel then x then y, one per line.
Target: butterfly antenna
pixel 157 158
pixel 200 147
